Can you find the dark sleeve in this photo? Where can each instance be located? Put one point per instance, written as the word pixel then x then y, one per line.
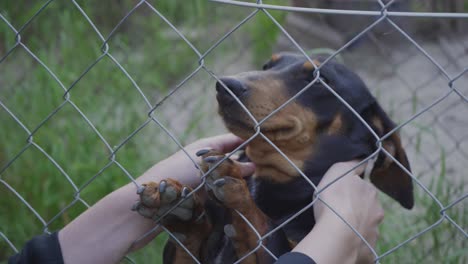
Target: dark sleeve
pixel 296 258
pixel 43 249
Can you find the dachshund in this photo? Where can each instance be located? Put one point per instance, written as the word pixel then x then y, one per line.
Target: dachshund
pixel 289 102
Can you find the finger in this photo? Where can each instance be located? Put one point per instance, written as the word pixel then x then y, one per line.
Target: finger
pixel 225 143
pixel 222 143
pixel 246 168
pixel 338 170
pixel 361 168
pixel 380 214
pixel 365 255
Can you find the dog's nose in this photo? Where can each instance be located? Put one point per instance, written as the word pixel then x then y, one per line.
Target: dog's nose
pixel 234 85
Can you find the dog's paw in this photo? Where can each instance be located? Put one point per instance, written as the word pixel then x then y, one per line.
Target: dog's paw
pixel 156 199
pixel 224 183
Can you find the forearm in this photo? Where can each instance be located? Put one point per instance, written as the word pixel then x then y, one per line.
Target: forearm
pixel 106 231
pixel 330 241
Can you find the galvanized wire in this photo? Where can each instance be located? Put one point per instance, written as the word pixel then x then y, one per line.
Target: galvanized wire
pixel 454 88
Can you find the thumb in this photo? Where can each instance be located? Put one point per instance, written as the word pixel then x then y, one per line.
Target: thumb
pixel 246 168
pixel 338 169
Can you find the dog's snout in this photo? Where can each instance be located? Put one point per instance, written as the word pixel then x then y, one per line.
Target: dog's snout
pixel 236 86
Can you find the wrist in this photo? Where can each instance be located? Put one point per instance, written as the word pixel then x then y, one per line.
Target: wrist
pixel 330 241
pixel 106 231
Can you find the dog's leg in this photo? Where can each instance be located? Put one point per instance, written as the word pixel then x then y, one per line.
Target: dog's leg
pixel 226 186
pixel 187 222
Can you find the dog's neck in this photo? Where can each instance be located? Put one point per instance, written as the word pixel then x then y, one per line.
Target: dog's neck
pixel 282 194
pixel 281 201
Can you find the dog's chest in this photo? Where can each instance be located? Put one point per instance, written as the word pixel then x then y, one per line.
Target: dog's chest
pixel 281 202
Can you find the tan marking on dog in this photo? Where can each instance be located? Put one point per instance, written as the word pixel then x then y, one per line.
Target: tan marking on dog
pixel 237 197
pixel 378 124
pixel 195 232
pixel 292 129
pixel 388 144
pixel 275 57
pixel 295 143
pixel 336 125
pixel 309 66
pixel 247 238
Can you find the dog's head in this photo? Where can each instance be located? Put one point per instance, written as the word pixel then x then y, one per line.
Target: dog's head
pixel 315 129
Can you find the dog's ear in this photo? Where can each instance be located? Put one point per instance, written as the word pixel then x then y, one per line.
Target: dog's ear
pixel 387 175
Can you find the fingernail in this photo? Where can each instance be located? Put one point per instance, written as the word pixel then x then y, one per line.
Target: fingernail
pixel 202 152
pixel 219 182
pixel 229 231
pixel 210 159
pixel 185 192
pixel 162 186
pixel 135 206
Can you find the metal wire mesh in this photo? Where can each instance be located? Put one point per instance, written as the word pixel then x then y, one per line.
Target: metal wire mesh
pixel 451 87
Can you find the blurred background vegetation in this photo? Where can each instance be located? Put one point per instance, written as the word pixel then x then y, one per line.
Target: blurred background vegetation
pixel 63 39
pixel 157 60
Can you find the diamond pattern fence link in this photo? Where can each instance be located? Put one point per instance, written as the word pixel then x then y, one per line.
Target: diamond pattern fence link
pixel 453 82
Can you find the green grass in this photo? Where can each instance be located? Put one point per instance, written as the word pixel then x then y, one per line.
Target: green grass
pixel 62 38
pixel 157 60
pixel 264 32
pixel 442 244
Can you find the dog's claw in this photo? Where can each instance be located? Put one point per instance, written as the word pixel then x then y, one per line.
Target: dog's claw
pixel 162 186
pixel 140 189
pixel 219 182
pixel 229 231
pixel 185 192
pixel 210 159
pixel 135 206
pixel 202 152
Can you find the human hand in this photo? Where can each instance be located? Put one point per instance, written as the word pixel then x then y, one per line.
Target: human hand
pixel 115 229
pixel 180 167
pixel 356 201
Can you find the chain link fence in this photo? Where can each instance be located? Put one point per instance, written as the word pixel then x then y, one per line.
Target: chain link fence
pixel 432 121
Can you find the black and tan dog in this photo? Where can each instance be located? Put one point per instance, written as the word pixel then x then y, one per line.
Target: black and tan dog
pixel 314 131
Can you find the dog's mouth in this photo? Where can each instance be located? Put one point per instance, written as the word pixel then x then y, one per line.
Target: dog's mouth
pixel 245 107
pixel 244 127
